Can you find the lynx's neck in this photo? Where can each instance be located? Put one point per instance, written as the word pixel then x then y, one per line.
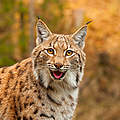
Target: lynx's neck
pixel 65 91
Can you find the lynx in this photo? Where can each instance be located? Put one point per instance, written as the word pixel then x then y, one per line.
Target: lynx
pixel 44 86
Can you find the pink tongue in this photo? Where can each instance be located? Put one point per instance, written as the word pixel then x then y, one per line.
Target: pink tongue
pixel 57 74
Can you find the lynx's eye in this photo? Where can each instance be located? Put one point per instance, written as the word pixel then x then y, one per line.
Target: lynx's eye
pixel 68 53
pixel 50 51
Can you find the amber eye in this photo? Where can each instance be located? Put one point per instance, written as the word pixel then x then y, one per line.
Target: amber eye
pixel 68 53
pixel 50 51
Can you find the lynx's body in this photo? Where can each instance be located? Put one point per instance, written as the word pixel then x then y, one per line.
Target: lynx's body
pixel 44 86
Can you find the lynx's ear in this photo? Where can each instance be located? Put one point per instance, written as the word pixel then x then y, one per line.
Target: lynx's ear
pixel 42 32
pixel 79 36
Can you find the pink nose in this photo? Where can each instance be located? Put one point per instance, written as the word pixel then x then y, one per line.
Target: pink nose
pixel 58 65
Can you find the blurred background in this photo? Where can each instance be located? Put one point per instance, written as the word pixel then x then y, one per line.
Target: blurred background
pixel 99 97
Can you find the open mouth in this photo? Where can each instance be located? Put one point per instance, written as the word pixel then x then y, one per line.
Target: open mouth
pixel 57 74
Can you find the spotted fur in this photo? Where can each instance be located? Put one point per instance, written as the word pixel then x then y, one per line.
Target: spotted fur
pixel 28 91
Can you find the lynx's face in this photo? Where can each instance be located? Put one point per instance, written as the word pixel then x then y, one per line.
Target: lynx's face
pixel 58 57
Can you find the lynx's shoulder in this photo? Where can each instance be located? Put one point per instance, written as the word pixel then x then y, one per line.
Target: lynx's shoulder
pixel 14 72
pixel 11 74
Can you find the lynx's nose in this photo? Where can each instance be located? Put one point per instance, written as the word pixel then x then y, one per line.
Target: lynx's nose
pixel 58 65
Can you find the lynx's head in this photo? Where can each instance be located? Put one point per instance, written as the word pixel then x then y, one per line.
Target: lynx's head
pixel 58 58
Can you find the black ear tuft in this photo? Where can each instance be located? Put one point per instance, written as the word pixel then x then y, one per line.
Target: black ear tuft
pixel 88 22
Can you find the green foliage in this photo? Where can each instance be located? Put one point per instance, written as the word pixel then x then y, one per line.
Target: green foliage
pixel 52 11
pixel 23 43
pixel 6 61
pixel 7 12
pixel 22 8
pixel 7 5
pixel 6 51
pixel 6 22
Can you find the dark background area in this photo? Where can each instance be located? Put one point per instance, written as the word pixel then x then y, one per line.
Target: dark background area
pixel 99 97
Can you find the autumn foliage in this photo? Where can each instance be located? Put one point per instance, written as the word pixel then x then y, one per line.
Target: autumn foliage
pixel 100 88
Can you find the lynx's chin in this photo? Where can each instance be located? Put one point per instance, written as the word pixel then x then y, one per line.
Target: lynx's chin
pixel 57 75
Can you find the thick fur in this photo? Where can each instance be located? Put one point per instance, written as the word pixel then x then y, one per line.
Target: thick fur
pixel 28 91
